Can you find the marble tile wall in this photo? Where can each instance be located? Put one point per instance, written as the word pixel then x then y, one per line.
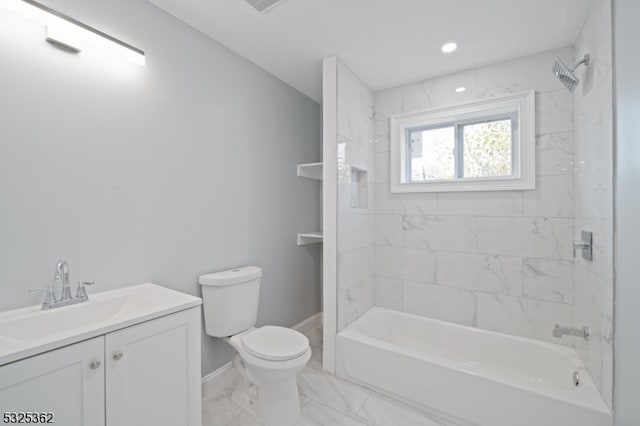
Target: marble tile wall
pixel 497 260
pixel 355 223
pixel 594 195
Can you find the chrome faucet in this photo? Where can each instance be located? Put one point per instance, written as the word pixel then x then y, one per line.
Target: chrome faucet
pixel 62 276
pixel 583 332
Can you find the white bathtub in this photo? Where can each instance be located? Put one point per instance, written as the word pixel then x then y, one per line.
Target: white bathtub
pixel 478 376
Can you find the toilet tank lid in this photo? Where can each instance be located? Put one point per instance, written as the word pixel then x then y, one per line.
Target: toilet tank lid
pixel 231 277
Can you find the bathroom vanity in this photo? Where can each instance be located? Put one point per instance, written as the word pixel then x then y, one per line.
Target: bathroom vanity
pixel 128 357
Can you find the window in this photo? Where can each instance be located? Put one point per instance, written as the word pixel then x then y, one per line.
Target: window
pixel 481 146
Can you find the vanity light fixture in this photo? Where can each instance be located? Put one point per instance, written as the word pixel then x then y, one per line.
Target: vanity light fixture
pixel 460 89
pixel 71 34
pixel 449 47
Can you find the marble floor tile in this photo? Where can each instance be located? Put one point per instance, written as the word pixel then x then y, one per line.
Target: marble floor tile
pixel 381 411
pixel 331 391
pixel 218 410
pixel 316 414
pixel 243 419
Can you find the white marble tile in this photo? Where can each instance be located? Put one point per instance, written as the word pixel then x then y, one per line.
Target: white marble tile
pixel 354 126
pixel 382 167
pixel 594 195
pixel 528 73
pixel 457 233
pixel 554 112
pixel 594 308
pixel 354 301
pixel 440 302
pixel 439 91
pixel 338 394
pixel 542 238
pixel 488 273
pixel 553 197
pixel 382 141
pixel 315 414
pixel 388 293
pixel 388 102
pixel 419 204
pixel 405 264
pixel 380 411
pixel 355 231
pixel 555 154
pixel 550 280
pixel 243 419
pixel 354 266
pixel 496 203
pixel 607 374
pixel 594 360
pixel 388 230
pixel 218 410
pixel 594 171
pixel 388 203
pixel 523 317
pixel 352 90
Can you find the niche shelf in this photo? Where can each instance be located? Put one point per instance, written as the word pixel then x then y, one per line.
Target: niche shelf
pixel 310 171
pixel 309 238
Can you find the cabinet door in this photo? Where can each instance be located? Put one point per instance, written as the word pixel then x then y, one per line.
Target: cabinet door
pixel 68 382
pixel 153 372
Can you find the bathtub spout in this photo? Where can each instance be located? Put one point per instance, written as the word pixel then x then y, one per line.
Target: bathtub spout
pixel 583 332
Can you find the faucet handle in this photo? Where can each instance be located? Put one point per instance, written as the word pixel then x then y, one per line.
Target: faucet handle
pixel 81 293
pixel 50 299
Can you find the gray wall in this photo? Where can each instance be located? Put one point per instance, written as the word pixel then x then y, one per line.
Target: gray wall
pixel 156 173
pixel 627 212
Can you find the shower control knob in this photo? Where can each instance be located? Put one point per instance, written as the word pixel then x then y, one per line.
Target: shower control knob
pixel 117 356
pixel 95 364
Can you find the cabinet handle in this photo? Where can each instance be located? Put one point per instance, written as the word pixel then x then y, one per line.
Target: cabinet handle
pixel 117 356
pixel 95 364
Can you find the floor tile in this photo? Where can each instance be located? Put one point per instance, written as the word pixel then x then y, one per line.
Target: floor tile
pixel 331 391
pixel 380 411
pixel 316 414
pixel 218 410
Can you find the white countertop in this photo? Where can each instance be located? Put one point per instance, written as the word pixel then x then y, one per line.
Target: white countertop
pixel 29 331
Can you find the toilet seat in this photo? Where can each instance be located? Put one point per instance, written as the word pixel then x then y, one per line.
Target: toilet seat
pixel 273 343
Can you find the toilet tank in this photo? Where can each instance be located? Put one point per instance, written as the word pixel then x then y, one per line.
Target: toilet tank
pixel 230 300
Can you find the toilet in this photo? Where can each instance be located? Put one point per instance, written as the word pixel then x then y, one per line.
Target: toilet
pixel 272 355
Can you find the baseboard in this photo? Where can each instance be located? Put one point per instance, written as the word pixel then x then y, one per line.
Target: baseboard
pixel 225 376
pixel 218 380
pixel 309 324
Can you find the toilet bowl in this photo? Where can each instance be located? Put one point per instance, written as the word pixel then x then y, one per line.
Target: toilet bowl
pixel 273 356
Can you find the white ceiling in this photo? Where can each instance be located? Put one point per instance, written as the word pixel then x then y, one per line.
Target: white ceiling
pixel 386 42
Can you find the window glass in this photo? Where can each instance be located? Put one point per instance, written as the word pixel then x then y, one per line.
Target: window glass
pixel 432 154
pixel 487 149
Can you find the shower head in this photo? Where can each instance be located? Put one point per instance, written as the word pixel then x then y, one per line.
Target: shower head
pixel 566 75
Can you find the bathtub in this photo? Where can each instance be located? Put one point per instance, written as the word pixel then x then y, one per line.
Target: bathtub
pixel 476 376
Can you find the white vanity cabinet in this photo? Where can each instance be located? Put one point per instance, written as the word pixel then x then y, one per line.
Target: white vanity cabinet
pixel 67 382
pixel 147 374
pixel 153 372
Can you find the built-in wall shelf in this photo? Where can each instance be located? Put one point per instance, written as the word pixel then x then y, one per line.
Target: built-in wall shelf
pixel 310 171
pixel 309 238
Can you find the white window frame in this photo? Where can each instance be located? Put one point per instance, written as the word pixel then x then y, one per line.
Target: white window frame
pixel 523 148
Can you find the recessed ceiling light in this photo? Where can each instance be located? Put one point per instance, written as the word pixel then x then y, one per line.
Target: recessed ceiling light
pixel 461 89
pixel 449 47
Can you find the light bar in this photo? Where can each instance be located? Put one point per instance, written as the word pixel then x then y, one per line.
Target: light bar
pixel 70 34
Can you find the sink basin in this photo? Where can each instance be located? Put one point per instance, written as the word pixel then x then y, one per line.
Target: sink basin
pixel 28 331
